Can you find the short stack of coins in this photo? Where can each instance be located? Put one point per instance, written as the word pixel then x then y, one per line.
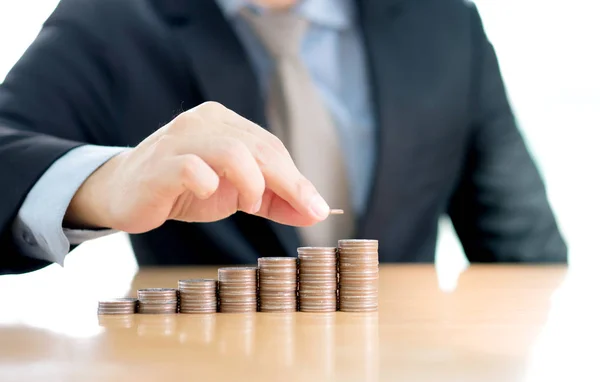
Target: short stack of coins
pixel 124 305
pixel 278 281
pixel 358 264
pixel 198 296
pixel 237 289
pixel 158 301
pixel 317 279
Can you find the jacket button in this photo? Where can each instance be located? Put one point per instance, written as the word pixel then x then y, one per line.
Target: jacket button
pixel 28 238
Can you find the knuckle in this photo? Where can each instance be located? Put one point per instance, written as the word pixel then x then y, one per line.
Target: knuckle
pixel 233 151
pixel 187 167
pixel 254 185
pixel 264 153
pixel 236 158
pixel 278 144
pixel 210 107
pixel 258 184
pixel 211 187
pixel 181 122
pixel 303 186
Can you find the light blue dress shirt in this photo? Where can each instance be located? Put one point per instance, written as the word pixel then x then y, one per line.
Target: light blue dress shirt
pixel 333 52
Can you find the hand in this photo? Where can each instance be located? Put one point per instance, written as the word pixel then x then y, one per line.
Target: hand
pixel 203 166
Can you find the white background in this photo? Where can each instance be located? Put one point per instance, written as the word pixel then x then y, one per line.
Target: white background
pixel 548 51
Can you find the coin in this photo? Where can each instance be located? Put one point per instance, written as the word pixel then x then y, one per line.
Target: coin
pixel 358 265
pixel 158 300
pixel 124 305
pixel 321 279
pixel 198 296
pixel 318 283
pixel 277 284
pixel 237 289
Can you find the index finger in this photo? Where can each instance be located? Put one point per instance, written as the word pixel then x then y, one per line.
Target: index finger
pixel 285 180
pixel 279 170
pixel 278 210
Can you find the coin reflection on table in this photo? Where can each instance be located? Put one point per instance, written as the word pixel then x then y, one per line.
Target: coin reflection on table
pixel 236 333
pixel 197 328
pixel 156 325
pixel 117 321
pixel 360 335
pixel 316 342
pixel 277 330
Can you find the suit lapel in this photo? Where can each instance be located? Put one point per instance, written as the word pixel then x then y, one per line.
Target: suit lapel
pixel 222 73
pixel 420 98
pixel 217 60
pixel 375 18
pixel 389 35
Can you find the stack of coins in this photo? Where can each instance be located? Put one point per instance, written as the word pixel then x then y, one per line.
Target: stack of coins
pixel 158 300
pixel 318 279
pixel 359 275
pixel 277 280
pixel 237 289
pixel 118 306
pixel 198 296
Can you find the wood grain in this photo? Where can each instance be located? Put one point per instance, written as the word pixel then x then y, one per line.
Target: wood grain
pixel 482 331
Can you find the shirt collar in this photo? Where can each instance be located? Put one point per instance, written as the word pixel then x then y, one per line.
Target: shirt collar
pixel 337 14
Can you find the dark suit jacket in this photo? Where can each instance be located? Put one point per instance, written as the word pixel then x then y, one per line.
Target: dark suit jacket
pixel 110 72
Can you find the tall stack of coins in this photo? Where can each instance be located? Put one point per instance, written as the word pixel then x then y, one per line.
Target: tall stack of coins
pixel 118 306
pixel 359 275
pixel 198 296
pixel 237 289
pixel 278 280
pixel 158 300
pixel 318 279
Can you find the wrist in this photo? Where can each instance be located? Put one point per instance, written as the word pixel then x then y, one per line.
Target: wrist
pixel 90 208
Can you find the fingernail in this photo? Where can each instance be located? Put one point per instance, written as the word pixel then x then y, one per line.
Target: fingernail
pixel 319 207
pixel 256 206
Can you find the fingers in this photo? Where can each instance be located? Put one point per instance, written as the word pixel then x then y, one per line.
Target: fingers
pixel 253 166
pixel 296 190
pixel 187 172
pixel 279 210
pixel 231 159
pixel 283 177
pixel 250 157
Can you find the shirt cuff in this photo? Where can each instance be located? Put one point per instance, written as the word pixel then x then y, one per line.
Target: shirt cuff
pixel 37 229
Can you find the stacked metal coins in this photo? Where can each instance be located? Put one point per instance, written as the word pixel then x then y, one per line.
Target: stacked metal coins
pixel 237 289
pixel 158 300
pixel 117 306
pixel 198 296
pixel 318 279
pixel 277 280
pixel 359 275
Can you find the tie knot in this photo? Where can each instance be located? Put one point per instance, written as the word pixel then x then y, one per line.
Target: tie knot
pixel 281 32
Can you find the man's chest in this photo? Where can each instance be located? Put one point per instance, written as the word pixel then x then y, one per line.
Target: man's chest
pixel 417 75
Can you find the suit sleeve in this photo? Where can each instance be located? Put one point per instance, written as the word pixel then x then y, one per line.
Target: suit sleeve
pixel 38 228
pixel 500 209
pixel 54 99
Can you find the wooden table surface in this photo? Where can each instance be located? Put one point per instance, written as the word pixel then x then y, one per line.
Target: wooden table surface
pixel 501 323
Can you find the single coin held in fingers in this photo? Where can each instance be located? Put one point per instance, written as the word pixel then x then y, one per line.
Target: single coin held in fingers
pixel 336 211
